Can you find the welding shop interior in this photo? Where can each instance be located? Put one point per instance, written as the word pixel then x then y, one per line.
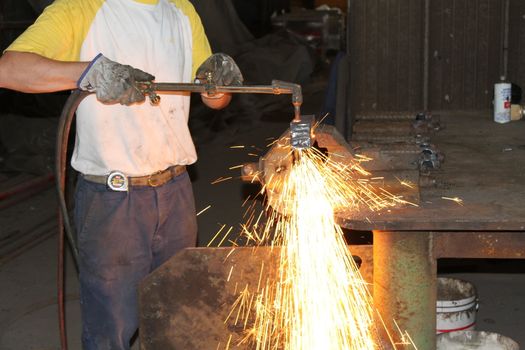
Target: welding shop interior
pixel 406 85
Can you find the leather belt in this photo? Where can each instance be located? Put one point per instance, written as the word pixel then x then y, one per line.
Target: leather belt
pixel 153 180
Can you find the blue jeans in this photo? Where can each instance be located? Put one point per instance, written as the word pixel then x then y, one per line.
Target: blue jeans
pixel 123 236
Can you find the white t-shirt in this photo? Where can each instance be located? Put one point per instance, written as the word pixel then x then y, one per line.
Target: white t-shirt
pixel 164 38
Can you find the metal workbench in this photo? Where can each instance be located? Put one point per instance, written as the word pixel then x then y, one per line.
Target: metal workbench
pixel 484 166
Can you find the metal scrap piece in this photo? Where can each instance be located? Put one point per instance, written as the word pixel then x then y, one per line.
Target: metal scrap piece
pixel 301 132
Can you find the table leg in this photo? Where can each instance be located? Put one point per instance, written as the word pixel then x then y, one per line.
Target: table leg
pixel 405 275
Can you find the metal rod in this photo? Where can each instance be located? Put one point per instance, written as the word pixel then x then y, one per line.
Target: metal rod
pixel 426 53
pixel 260 89
pixel 277 88
pixel 505 39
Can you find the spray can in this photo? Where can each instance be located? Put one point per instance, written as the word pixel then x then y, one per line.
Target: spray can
pixel 502 93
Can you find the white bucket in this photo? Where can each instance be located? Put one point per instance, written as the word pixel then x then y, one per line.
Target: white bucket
pixel 474 340
pixel 456 306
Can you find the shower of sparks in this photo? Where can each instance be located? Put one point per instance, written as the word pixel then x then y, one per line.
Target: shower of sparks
pixel 318 300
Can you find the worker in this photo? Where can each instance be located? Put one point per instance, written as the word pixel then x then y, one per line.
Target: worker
pixel 134 205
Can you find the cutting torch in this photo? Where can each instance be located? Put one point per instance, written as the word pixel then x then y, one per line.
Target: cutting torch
pixel 300 127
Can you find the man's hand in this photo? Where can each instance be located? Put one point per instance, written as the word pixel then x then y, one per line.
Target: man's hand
pixel 113 82
pixel 218 70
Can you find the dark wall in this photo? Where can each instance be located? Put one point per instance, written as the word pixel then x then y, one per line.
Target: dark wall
pixel 465 53
pixel 256 14
pixel 15 17
pixel 517 42
pixel 386 53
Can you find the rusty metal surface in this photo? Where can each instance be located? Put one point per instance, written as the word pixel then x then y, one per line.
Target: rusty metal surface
pixel 397 140
pixel 185 303
pixel 500 245
pixel 483 167
pixel 391 163
pixel 396 156
pixel 390 128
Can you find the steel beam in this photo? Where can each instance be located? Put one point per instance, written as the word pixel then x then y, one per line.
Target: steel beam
pixel 480 244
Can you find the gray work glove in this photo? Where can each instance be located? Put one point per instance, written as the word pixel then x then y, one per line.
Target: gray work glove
pixel 113 82
pixel 219 69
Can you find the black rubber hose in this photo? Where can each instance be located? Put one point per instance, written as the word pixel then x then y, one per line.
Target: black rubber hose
pixel 64 127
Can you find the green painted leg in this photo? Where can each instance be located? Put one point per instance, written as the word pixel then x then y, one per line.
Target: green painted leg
pixel 405 276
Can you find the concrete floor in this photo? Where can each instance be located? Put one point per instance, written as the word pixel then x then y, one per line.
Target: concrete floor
pixel 27 296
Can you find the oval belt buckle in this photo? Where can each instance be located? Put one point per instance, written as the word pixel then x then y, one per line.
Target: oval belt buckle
pixel 117 181
pixel 152 183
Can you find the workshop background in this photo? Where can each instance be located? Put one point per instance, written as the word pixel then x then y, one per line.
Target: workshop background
pixel 352 57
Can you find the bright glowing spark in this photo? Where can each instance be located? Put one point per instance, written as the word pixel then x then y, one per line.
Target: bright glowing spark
pixel 203 210
pixel 239 146
pixel 230 274
pixel 362 157
pixel 236 167
pixel 454 199
pixel 407 184
pixel 229 341
pixel 221 179
pixel 225 235
pixel 216 235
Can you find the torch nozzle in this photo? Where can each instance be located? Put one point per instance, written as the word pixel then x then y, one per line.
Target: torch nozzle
pixel 301 126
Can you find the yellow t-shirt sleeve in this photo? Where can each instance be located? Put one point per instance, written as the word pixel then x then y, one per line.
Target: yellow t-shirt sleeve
pixel 60 30
pixel 200 44
pixel 58 33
